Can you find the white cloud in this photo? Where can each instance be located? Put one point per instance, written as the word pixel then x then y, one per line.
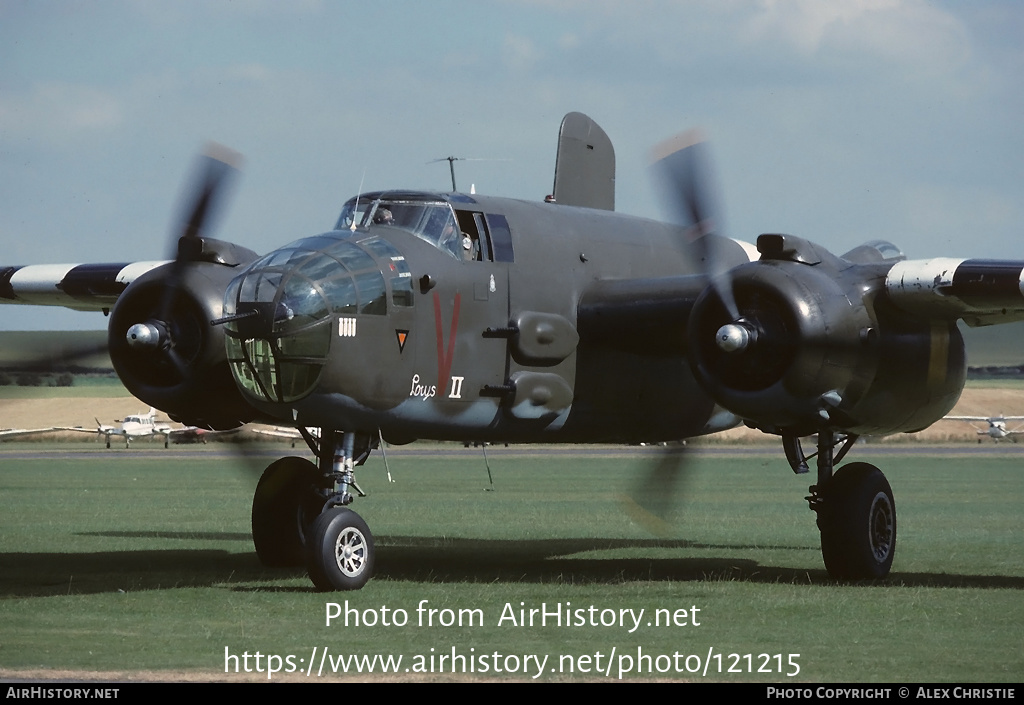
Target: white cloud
pixel 59 112
pixel 520 53
pixel 907 34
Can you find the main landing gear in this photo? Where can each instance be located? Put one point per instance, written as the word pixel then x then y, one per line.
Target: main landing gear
pixel 300 513
pixel 855 507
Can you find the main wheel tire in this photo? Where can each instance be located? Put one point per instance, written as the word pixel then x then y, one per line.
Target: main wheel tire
pixel 340 551
pixel 284 508
pixel 858 524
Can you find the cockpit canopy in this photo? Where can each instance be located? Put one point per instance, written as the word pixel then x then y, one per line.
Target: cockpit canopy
pixel 425 215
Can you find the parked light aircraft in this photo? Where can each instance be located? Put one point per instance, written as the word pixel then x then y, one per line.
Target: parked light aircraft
pixel 465 317
pixel 140 426
pixel 996 425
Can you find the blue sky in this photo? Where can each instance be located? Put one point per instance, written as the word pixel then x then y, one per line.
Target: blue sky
pixel 839 122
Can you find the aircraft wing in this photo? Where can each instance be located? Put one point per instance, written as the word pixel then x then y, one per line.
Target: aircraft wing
pixel 193 433
pixel 1016 429
pixel 196 431
pixel 639 314
pixel 17 432
pixel 278 432
pixel 102 431
pixel 82 287
pixel 981 292
pixel 984 418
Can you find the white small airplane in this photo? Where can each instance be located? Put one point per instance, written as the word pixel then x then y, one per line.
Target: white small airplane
pixel 141 426
pixel 996 425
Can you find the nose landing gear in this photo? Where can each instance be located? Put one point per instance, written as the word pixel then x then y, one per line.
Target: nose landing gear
pixel 300 514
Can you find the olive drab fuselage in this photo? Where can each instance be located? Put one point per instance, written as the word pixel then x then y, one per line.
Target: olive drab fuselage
pixel 479 339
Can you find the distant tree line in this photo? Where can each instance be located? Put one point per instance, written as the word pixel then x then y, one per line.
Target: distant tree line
pixel 36 379
pixel 992 371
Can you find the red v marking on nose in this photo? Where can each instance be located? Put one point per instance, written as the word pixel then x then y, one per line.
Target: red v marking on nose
pixel 444 359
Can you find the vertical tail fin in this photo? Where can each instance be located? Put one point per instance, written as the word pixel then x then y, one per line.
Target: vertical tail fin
pixel 585 165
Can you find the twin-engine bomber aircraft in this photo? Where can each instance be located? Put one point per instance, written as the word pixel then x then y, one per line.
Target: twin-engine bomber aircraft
pixel 461 317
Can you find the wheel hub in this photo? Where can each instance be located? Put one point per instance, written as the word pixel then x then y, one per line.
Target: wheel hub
pixel 881 526
pixel 350 552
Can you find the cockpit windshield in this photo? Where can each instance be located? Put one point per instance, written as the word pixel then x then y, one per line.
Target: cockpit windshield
pixel 426 217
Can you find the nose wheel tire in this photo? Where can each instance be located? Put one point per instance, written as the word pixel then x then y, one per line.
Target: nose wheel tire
pixel 340 551
pixel 858 524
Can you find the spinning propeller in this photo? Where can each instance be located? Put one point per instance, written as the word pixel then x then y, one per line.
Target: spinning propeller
pixel 166 336
pixel 655 495
pixel 681 169
pixel 161 341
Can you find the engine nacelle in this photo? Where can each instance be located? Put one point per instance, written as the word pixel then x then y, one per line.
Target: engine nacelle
pixel 177 361
pixel 816 345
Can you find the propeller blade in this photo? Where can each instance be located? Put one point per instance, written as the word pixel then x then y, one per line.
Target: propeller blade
pixel 213 173
pixel 215 170
pixel 682 170
pixel 655 496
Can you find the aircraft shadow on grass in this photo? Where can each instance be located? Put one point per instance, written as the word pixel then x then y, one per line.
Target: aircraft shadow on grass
pixel 186 535
pixel 425 559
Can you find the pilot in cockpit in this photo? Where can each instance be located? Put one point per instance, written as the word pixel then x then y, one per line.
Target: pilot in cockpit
pixel 383 216
pixel 450 239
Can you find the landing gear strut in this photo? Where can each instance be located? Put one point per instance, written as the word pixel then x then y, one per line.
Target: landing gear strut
pixel 300 513
pixel 855 507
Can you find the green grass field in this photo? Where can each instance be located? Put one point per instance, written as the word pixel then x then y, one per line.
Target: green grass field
pixel 131 561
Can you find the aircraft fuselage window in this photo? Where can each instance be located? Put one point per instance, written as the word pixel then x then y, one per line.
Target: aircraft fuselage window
pixel 474 230
pixel 426 218
pixel 396 267
pixel 356 211
pixel 490 236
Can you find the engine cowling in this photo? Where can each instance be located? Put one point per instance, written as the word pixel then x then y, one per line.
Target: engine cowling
pixel 175 360
pixel 816 345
